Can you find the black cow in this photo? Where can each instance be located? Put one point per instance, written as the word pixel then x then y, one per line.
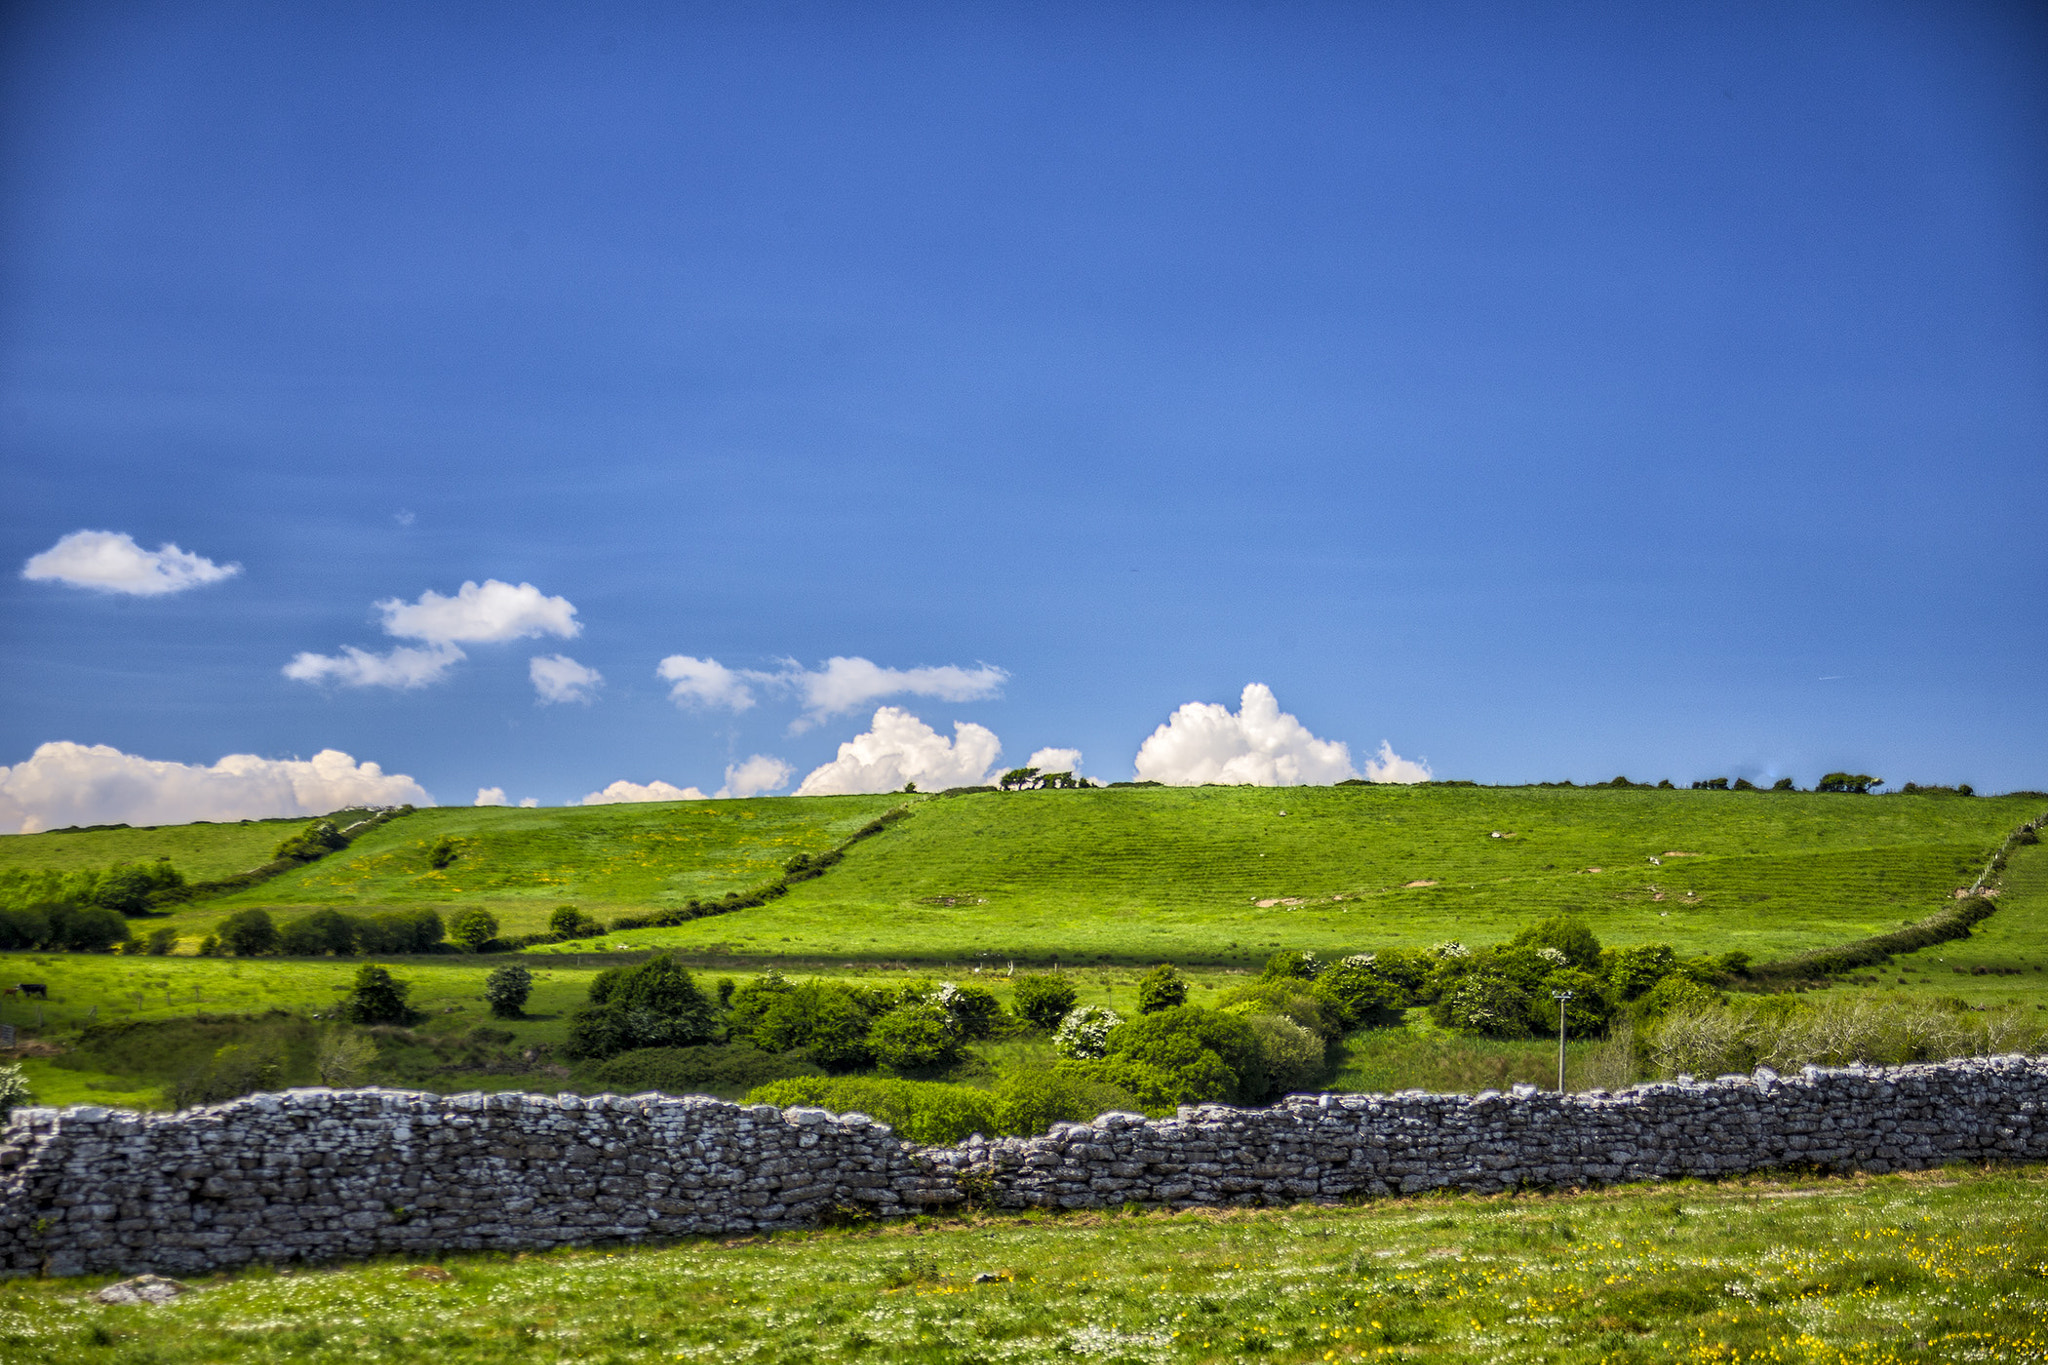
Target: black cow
pixel 35 988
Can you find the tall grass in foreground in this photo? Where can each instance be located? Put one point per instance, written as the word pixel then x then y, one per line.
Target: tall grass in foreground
pixel 1785 1032
pixel 1932 1267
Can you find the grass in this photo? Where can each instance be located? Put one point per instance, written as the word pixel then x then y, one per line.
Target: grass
pixel 202 852
pixel 1225 876
pixel 1929 1267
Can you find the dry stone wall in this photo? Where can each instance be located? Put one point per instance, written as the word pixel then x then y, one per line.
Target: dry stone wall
pixel 312 1175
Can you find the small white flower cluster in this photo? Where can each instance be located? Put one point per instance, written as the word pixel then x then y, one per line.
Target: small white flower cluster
pixel 1554 956
pixel 1085 1031
pixel 1450 948
pixel 1360 961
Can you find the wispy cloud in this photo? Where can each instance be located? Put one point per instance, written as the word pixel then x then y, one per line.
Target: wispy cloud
pixel 403 667
pixel 842 685
pixel 559 678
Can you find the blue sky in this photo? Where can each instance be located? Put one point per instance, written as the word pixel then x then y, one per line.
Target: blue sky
pixel 1546 391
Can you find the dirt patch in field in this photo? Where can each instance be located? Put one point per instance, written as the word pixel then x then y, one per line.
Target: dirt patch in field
pixel 1421 883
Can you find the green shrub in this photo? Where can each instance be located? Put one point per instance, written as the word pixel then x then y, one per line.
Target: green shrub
pixel 975 1010
pixel 1488 1003
pixel 1302 1001
pixel 1044 998
pixel 916 1036
pixel 1354 990
pixel 1160 989
pixel 1586 1013
pixel 1033 1101
pixel 473 927
pixel 88 928
pixel 1566 934
pixel 568 922
pixel 131 888
pixel 749 1003
pixel 1674 992
pixel 656 1004
pixel 1634 970
pixel 507 988
pixel 162 941
pixel 1187 1045
pixel 1291 1056
pixel 249 933
pixel 930 1112
pixel 1292 966
pixel 823 1019
pixel 322 932
pixel 1859 783
pixel 14 1090
pixel 1084 1033
pixel 377 998
pixel 445 851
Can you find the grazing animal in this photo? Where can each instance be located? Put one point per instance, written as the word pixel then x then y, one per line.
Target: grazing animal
pixel 35 988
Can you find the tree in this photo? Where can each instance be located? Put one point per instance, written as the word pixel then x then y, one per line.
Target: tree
pixel 1567 934
pixel 1044 998
pixel 1018 779
pixel 377 998
pixel 656 1004
pixel 1859 783
pixel 819 1017
pixel 1299 966
pixel 474 927
pixel 507 988
pixel 1160 989
pixel 92 929
pixel 569 922
pixel 126 888
pixel 315 841
pixel 249 933
pixel 322 932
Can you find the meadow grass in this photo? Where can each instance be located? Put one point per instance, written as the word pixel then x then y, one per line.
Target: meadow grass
pixel 1928 1267
pixel 1225 876
pixel 202 852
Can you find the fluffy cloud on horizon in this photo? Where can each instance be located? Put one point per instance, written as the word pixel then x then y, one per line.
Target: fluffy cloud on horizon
pixel 620 792
pixel 485 613
pixel 1055 760
pixel 1391 767
pixel 758 774
pixel 898 748
pixel 559 678
pixel 111 561
pixel 842 685
pixel 77 784
pixel 1260 746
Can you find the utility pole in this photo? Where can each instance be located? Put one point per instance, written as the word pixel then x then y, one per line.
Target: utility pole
pixel 1560 997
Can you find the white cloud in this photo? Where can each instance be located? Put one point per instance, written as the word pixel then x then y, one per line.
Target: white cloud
pixel 620 792
pixel 761 773
pixel 557 677
pixel 1260 746
pixel 490 796
pixel 844 685
pixel 1391 767
pixel 1055 760
pixel 111 561
pixel 528 802
pixel 77 784
pixel 704 683
pixel 403 667
pixel 900 748
pixel 480 615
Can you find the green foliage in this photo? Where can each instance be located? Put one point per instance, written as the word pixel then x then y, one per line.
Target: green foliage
pixel 319 934
pixel 1293 966
pixel 14 1089
pixel 444 852
pixel 1674 992
pixel 825 1020
pixel 315 841
pixel 1585 1014
pixel 1488 1002
pixel 921 1111
pixel 473 928
pixel 975 1011
pixel 1858 783
pixel 568 922
pixel 1566 934
pixel 249 933
pixel 1044 998
pixel 344 1058
pixel 751 1001
pixel 507 989
pixel 1084 1033
pixel 1632 971
pixel 1161 988
pixel 88 928
pixel 709 1069
pixel 1291 1056
pixel 656 1004
pixel 377 998
pixel 1359 994
pixel 915 1036
pixel 162 941
pixel 1198 1054
pixel 1305 1002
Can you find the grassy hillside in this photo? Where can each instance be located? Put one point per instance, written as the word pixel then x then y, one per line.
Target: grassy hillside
pixel 203 852
pixel 1932 1267
pixel 1226 875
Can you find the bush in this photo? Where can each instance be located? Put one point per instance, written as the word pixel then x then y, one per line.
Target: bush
pixel 445 850
pixel 719 1069
pixel 1585 1014
pixel 1290 997
pixel 1355 992
pixel 976 1011
pixel 568 922
pixel 400 931
pixel 923 1111
pixel 1674 992
pixel 249 933
pixel 748 1004
pixel 474 927
pixel 89 929
pixel 915 1037
pixel 322 932
pixel 161 941
pixel 823 1019
pixel 1487 1003
pixel 1160 989
pixel 1033 1101
pixel 314 842
pixel 131 888
pixel 1044 998
pixel 377 998
pixel 506 988
pixel 1632 971
pixel 25 927
pixel 1566 934
pixel 1084 1033
pixel 1291 1056
pixel 656 1004
pixel 14 1091
pixel 1292 966
pixel 1192 1052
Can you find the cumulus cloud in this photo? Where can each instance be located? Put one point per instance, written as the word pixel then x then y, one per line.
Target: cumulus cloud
pixel 480 614
pixel 620 792
pixel 403 667
pixel 1055 760
pixel 704 684
pixel 899 748
pixel 557 677
pixel 761 773
pixel 490 796
pixel 77 784
pixel 1260 746
pixel 111 561
pixel 844 685
pixel 528 802
pixel 1391 767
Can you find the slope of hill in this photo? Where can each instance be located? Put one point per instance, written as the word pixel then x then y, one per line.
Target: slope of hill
pixel 1228 874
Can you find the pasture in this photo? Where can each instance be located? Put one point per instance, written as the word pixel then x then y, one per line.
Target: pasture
pixel 1929 1267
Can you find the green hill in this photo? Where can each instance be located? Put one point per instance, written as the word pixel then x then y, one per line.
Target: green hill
pixel 1226 875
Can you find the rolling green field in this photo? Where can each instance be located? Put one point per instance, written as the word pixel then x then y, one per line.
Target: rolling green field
pixel 1932 1267
pixel 1227 875
pixel 203 852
